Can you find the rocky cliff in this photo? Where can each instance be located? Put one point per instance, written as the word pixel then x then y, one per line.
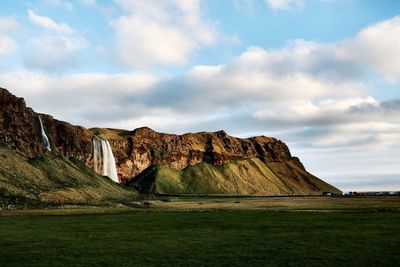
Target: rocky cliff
pixel 20 129
pixel 138 149
pixel 143 149
pixel 209 162
pixel 31 176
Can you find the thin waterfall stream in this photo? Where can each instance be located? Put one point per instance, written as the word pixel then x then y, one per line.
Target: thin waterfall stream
pixel 45 139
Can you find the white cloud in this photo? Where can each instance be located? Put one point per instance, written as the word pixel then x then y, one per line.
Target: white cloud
pixel 354 136
pixel 304 84
pixel 374 48
pixel 225 96
pixel 48 23
pixel 55 48
pixel 284 4
pixel 85 98
pixel 53 52
pixel 307 88
pixel 7 27
pixel 377 46
pixel 324 112
pixel 160 32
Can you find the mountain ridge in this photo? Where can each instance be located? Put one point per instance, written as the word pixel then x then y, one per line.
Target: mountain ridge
pixel 138 149
pixel 144 147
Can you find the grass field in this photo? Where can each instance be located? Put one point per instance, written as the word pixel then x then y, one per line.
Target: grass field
pixel 174 236
pixel 326 204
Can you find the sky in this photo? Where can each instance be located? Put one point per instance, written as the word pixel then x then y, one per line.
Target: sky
pixel 321 75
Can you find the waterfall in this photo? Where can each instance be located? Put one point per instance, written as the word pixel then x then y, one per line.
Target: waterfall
pixel 96 155
pixel 45 139
pixel 106 157
pixel 103 159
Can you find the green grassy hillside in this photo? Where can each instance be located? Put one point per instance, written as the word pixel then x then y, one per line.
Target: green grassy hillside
pixel 239 177
pixel 52 180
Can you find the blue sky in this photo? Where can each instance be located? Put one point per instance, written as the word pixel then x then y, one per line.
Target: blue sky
pixel 322 75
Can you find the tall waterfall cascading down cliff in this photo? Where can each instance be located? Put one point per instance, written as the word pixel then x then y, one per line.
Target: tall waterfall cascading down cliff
pixel 103 159
pixel 45 139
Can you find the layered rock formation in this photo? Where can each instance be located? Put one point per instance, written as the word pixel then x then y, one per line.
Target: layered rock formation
pixel 142 149
pixel 136 150
pixel 20 129
pixel 209 162
pixel 32 176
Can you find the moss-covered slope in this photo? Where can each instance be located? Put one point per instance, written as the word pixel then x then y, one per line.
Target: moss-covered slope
pixel 53 180
pixel 237 177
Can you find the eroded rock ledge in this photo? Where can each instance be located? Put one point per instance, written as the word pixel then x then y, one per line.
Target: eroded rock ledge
pixel 134 150
pixel 138 149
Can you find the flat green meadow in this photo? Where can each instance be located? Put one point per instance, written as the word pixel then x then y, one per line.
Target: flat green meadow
pixel 202 238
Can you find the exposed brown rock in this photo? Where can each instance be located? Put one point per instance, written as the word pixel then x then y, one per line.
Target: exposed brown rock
pixel 20 129
pixel 135 150
pixel 144 147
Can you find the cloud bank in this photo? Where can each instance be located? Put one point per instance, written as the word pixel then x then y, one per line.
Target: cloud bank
pixel 55 47
pixel 160 32
pixel 306 88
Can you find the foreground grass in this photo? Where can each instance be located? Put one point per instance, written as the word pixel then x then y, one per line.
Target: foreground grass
pixel 198 238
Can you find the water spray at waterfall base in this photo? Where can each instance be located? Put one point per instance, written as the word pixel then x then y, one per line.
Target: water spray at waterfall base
pixel 45 139
pixel 103 159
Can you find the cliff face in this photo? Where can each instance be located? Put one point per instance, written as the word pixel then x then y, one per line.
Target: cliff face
pixel 20 129
pixel 225 163
pixel 30 176
pixel 136 150
pixel 209 163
